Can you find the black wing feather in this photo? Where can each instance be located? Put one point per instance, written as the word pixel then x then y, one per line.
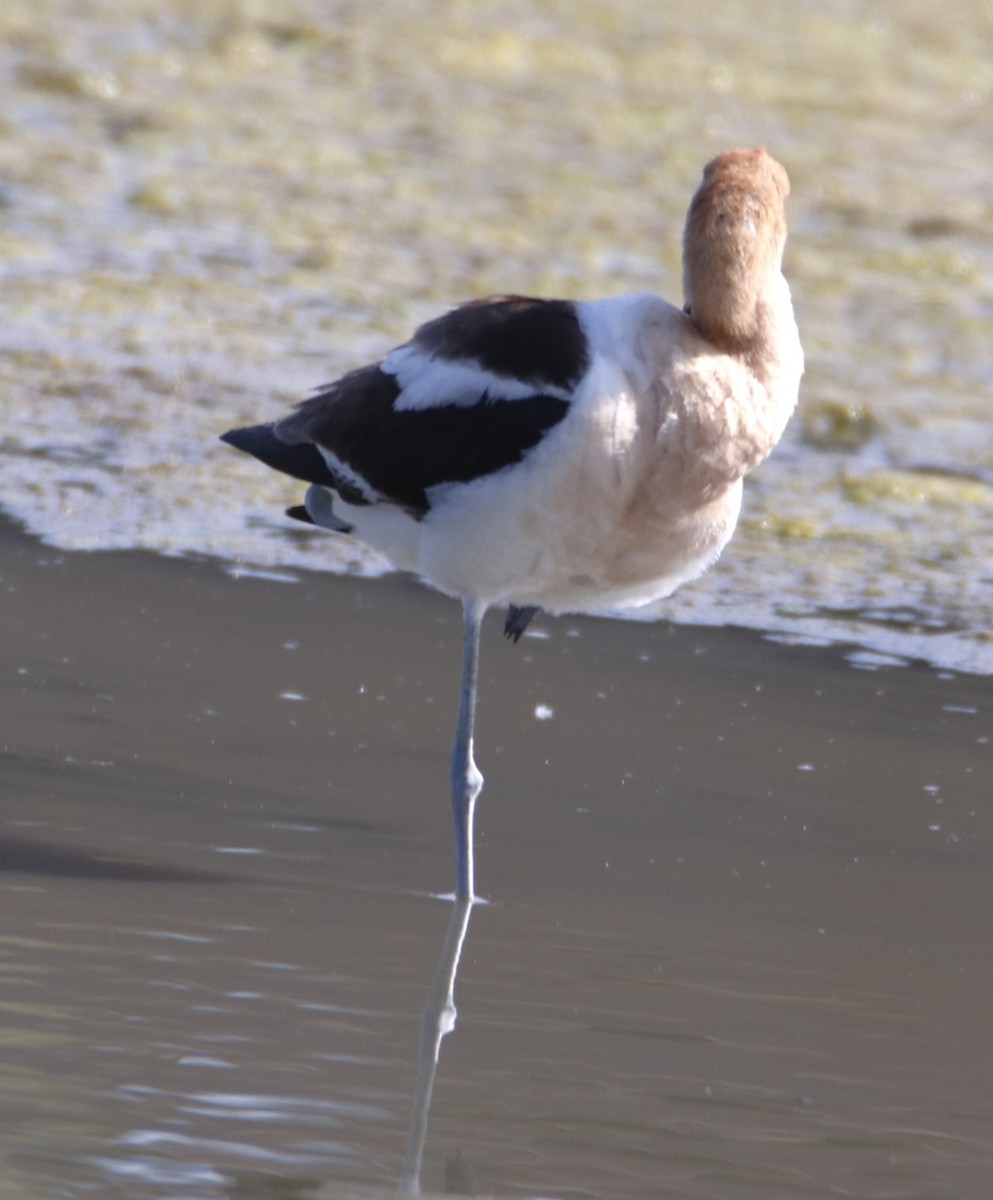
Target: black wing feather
pixel 302 460
pixel 537 341
pixel 402 454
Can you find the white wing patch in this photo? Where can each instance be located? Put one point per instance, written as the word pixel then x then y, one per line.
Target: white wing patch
pixel 348 475
pixel 427 382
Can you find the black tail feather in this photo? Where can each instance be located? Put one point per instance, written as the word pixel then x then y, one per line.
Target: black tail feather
pixel 303 461
pixel 299 513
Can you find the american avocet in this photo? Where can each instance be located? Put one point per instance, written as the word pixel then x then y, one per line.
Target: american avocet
pixel 563 455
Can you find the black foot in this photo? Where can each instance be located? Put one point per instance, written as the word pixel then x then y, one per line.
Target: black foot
pixel 299 513
pixel 519 617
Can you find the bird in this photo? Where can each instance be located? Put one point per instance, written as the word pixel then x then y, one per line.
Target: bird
pixel 562 455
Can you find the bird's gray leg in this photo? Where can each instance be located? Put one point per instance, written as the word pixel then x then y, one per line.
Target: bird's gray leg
pixel 467 782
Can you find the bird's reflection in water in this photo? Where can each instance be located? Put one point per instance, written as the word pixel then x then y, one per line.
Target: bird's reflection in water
pixel 437 1019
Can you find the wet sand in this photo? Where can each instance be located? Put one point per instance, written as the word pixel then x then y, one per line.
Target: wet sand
pixel 738 938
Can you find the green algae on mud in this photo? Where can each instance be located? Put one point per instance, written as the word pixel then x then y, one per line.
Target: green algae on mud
pixel 208 209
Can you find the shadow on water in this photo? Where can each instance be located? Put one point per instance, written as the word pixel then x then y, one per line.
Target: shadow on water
pixel 22 856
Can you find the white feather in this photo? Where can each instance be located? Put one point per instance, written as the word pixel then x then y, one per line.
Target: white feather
pixel 428 382
pixel 344 472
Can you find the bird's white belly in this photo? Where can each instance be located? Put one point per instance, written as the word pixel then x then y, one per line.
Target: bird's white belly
pixel 546 540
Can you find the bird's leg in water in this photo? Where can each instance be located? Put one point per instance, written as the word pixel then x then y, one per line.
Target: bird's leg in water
pixel 467 782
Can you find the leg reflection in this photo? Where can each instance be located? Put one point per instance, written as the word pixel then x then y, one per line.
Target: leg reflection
pixel 437 1019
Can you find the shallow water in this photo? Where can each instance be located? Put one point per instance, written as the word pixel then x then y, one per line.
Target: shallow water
pixel 208 210
pixel 737 938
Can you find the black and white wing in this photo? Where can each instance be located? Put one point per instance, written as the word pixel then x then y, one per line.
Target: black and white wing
pixel 468 395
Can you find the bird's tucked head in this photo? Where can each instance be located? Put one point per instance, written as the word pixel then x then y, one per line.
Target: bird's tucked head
pixel 733 245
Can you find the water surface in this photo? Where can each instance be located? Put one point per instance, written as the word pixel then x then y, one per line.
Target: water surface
pixel 737 939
